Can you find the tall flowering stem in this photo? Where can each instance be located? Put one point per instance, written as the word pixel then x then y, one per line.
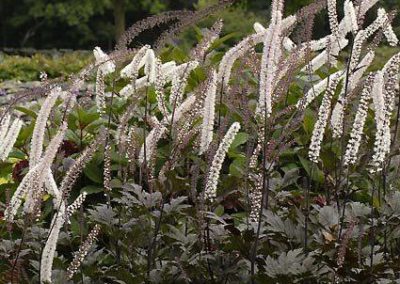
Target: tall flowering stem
pixel 214 172
pixel 80 255
pixel 207 126
pixel 320 125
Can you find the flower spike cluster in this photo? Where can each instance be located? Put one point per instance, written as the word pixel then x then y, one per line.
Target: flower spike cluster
pixel 8 135
pixel 214 172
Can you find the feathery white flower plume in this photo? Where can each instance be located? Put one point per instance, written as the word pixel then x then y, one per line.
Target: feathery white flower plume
pixel 46 262
pixel 391 76
pixel 317 89
pixel 160 129
pixel 35 193
pixel 168 70
pixel 150 66
pixel 382 136
pixel 255 197
pixel 350 156
pixel 323 57
pixel 5 125
pixel 338 111
pixel 350 16
pixel 209 37
pixel 387 28
pixel 132 69
pixel 159 88
pixel 323 116
pixel 333 20
pixel 179 82
pixel 215 169
pixel 106 65
pixel 245 45
pixel 79 256
pixel 40 127
pixel 9 139
pixel 207 126
pixel 33 181
pixel 364 64
pixel 338 116
pixel 269 63
pixel 71 209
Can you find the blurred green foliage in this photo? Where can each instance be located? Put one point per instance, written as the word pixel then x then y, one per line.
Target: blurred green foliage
pixel 24 68
pixel 83 24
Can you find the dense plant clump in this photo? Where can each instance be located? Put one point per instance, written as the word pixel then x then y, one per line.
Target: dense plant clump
pixel 274 160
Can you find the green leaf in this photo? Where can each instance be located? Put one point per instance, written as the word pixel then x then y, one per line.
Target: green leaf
pixel 219 211
pixel 312 170
pixel 309 121
pixel 237 167
pixel 240 139
pixel 28 112
pixel 217 43
pixel 93 172
pixel 91 189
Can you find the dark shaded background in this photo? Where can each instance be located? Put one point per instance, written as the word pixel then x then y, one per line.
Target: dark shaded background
pixel 82 24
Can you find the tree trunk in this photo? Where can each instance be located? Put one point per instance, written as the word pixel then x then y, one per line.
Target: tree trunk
pixel 119 18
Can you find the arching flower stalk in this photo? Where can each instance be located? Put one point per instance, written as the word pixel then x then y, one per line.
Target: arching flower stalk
pixel 350 16
pixel 255 197
pixel 179 82
pixel 333 18
pixel 107 168
pixel 317 89
pixel 37 140
pixel 209 37
pixel 383 95
pixel 363 35
pixel 151 143
pixel 323 116
pixel 71 209
pixel 33 182
pixel 131 71
pixel 387 28
pixel 382 137
pixel 255 194
pixel 391 77
pixel 159 88
pixel 354 78
pixel 4 126
pixel 269 64
pixel 336 45
pixel 131 145
pixel 80 255
pixel 246 44
pixel 345 25
pixel 9 136
pixel 207 126
pixel 160 129
pixel 46 261
pixel 351 154
pixel 338 116
pixel 74 171
pixel 168 69
pixel 35 193
pixel 64 213
pixel 105 67
pixel 214 172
